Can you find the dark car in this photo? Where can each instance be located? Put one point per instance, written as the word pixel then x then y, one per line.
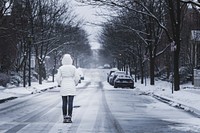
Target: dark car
pixel 124 81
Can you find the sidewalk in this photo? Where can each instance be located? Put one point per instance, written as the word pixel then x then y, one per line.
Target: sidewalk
pixel 11 93
pixel 187 98
pixel 15 92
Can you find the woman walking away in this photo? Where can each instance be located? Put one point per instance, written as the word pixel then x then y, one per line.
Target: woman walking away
pixel 67 78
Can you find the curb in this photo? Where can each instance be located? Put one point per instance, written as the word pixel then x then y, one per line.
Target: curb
pixel 7 99
pixel 43 90
pixel 172 103
pixel 12 98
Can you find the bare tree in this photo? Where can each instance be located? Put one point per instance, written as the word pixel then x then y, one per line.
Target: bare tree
pixel 152 20
pixel 172 27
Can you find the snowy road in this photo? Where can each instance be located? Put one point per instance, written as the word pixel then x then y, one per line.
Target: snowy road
pixel 98 107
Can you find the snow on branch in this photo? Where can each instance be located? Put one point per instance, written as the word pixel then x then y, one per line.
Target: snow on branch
pixel 138 32
pixel 191 2
pixel 161 52
pixel 150 14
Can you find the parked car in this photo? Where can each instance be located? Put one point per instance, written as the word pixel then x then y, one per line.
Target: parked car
pixel 124 81
pixel 80 72
pixel 114 75
pixel 110 79
pixel 185 74
pixel 106 66
pixel 109 74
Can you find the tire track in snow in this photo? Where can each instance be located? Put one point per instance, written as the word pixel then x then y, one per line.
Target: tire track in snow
pixel 79 115
pixel 105 118
pixel 31 118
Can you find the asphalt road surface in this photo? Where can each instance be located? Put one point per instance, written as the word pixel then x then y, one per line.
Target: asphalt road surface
pixel 98 108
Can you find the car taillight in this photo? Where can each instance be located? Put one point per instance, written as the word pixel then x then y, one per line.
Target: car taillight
pixel 117 80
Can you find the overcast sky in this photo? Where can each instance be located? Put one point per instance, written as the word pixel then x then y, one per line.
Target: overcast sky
pixel 88 14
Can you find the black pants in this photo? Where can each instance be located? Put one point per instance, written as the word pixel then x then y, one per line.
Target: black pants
pixel 67 106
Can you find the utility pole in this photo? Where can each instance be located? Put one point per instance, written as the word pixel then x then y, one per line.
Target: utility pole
pixel 173 48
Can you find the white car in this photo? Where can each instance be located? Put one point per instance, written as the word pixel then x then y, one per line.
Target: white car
pixel 80 72
pixel 106 66
pixel 109 74
pixel 114 75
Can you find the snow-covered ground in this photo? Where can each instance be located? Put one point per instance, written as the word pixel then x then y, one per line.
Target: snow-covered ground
pixel 21 91
pixel 187 98
pixel 190 124
pixel 6 93
pixel 187 95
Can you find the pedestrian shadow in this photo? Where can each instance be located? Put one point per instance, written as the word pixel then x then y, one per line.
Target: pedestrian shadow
pixel 76 106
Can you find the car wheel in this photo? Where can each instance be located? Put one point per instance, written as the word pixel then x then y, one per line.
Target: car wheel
pixel 111 83
pixel 115 86
pixel 132 87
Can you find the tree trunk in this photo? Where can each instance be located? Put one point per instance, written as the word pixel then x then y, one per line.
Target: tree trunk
pixel 176 64
pixel 40 72
pixel 151 61
pixel 177 50
pixel 142 74
pixel 176 72
pixel 175 16
pixel 24 75
pixel 141 69
pixel 54 68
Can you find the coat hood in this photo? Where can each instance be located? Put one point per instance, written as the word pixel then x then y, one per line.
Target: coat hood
pixel 67 60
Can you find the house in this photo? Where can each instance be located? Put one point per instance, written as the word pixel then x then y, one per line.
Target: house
pixel 195 41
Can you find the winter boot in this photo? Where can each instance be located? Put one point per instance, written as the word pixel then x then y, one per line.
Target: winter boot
pixel 64 119
pixel 68 119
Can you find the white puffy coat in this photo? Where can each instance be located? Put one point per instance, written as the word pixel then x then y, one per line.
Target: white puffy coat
pixel 67 77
